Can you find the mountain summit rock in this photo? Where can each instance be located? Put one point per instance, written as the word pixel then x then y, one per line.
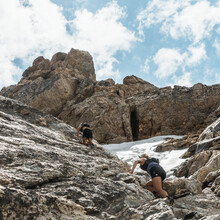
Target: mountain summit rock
pixel 66 87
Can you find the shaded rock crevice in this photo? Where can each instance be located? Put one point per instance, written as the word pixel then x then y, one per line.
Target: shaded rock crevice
pixel 134 122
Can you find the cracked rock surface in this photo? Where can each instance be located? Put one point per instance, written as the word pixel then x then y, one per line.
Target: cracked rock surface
pixel 45 173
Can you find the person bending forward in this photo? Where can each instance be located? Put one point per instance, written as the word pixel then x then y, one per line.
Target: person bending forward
pixel 87 133
pixel 157 173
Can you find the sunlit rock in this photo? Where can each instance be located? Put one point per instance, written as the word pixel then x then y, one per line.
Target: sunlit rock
pixel 66 87
pixel 46 173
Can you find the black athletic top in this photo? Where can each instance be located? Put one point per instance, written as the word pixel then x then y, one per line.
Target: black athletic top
pixel 84 125
pixel 149 163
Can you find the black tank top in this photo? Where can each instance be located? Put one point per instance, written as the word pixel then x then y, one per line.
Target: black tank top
pixel 147 162
pixel 84 125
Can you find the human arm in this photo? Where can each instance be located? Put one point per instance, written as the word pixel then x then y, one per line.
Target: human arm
pixel 142 160
pixel 78 129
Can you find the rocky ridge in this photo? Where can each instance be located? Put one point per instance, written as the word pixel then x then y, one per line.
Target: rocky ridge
pixel 47 174
pixel 66 87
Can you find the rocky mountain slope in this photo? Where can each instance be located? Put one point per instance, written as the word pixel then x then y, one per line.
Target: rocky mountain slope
pixel 66 87
pixel 46 174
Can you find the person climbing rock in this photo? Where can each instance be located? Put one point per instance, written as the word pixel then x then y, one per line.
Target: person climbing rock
pixel 87 133
pixel 157 173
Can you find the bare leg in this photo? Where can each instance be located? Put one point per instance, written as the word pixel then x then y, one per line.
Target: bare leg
pixel 150 187
pixel 90 141
pixel 84 139
pixel 157 186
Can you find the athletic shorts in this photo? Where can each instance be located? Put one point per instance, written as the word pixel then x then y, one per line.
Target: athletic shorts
pixel 158 171
pixel 87 133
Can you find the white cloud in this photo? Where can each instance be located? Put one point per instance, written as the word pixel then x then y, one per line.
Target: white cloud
pixel 217 78
pixel 8 70
pixel 146 67
pixel 188 20
pixel 195 55
pixel 28 32
pixel 103 35
pixel 216 44
pixel 194 20
pixel 81 1
pixel 158 11
pixel 38 27
pixel 183 80
pixel 211 77
pixel 168 61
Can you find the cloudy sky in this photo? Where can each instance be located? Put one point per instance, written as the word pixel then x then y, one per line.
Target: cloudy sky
pixel 165 42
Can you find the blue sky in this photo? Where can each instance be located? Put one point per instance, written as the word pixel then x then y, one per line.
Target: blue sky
pixel 165 42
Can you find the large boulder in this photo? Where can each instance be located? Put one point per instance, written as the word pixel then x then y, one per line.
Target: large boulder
pixel 203 168
pixel 209 139
pixel 180 110
pixel 212 131
pixel 48 85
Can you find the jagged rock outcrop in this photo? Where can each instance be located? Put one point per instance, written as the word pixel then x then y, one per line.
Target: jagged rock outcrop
pixel 65 86
pixel 177 144
pixel 48 85
pixel 47 174
pixel 209 139
pixel 198 177
pixel 202 168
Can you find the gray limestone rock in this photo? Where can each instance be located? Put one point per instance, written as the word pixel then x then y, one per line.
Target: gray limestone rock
pixel 47 174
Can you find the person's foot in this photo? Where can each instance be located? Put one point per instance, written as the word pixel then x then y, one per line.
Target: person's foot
pixel 170 200
pixel 156 195
pixel 91 145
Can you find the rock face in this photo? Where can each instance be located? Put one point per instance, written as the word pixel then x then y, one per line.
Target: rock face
pixel 48 85
pixel 65 86
pixel 47 174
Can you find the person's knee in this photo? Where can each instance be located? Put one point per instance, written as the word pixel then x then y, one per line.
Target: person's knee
pixel 158 187
pixel 84 140
pixel 162 193
pixel 90 140
pixel 150 183
pixel 159 191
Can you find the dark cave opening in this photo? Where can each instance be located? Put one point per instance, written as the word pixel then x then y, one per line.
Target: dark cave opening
pixel 134 124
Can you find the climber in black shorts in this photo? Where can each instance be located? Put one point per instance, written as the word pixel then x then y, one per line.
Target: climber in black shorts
pixel 87 133
pixel 157 173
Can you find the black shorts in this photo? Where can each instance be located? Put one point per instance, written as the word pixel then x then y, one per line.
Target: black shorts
pixel 87 133
pixel 158 171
